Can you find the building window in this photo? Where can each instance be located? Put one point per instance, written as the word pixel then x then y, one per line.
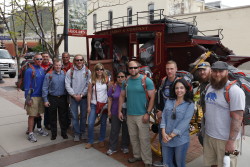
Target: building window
pixel 94 21
pixel 129 13
pixel 151 12
pixel 110 18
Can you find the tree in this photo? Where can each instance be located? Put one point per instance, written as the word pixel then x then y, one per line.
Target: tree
pixel 30 13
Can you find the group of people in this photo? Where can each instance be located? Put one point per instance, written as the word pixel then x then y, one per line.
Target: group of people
pixel 130 101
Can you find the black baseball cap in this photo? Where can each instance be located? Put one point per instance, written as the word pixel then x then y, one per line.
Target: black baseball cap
pixel 220 65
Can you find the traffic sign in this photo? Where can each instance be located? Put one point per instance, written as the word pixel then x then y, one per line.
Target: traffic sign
pixel 5 38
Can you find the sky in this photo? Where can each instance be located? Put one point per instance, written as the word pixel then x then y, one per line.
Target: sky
pixel 232 3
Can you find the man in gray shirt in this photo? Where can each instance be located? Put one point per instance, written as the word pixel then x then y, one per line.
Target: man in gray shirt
pixel 222 118
pixel 76 83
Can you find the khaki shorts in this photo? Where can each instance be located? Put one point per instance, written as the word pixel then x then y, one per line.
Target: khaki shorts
pixel 36 108
pixel 214 151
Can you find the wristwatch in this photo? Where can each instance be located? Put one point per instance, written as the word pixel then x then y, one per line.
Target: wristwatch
pixel 149 112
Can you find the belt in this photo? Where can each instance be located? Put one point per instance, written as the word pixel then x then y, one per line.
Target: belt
pixel 58 96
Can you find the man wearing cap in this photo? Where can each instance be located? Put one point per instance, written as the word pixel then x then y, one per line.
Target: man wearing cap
pixel 204 72
pixel 223 119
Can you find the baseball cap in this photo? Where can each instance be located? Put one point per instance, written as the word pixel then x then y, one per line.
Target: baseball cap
pixel 220 65
pixel 204 64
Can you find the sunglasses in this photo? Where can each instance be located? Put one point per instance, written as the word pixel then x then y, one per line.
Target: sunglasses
pixel 39 59
pixel 202 65
pixel 120 76
pixel 99 69
pixel 132 68
pixel 79 60
pixel 173 116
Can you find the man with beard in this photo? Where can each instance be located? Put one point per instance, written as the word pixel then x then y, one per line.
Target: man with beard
pixel 204 72
pixel 138 113
pixel 223 119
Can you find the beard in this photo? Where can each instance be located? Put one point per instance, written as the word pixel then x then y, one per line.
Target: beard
pixel 218 84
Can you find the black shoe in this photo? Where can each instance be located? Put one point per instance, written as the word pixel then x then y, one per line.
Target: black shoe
pixel 53 137
pixel 64 136
pixel 47 127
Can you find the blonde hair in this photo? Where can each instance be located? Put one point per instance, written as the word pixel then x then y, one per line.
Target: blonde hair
pixel 94 75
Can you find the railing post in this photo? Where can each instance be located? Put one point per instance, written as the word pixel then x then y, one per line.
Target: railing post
pixel 137 17
pixel 123 21
pixel 101 26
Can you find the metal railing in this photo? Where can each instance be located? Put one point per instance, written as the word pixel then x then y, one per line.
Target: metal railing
pixel 143 17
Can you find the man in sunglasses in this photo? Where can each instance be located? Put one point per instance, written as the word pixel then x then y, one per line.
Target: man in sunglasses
pixel 138 113
pixel 76 83
pixel 66 61
pixel 33 94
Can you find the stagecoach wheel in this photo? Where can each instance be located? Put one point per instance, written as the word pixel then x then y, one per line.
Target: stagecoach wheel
pixel 154 141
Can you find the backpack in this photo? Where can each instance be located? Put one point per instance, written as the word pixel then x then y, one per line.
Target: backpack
pixel 20 81
pixel 243 81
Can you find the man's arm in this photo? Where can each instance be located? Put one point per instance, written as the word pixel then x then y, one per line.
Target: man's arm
pixel 68 83
pixel 151 95
pixel 235 127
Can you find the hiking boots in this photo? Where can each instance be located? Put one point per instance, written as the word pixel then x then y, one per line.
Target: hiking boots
pixel 88 146
pixel 32 138
pixel 42 132
pixel 132 160
pixel 101 144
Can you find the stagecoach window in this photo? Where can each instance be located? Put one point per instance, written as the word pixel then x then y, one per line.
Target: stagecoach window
pixel 110 18
pixel 94 21
pixel 151 11
pixel 129 15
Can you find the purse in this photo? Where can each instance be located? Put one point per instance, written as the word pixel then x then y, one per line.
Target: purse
pixel 99 105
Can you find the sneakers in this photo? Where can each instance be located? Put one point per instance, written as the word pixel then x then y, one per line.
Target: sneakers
pixel 88 146
pixel 32 138
pixel 110 152
pixel 42 132
pixel 125 150
pixel 84 136
pixel 158 164
pixel 76 138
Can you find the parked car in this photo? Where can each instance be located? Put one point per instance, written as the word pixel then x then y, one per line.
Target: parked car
pixel 7 64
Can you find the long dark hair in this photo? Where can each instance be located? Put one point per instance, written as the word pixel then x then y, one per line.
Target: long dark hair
pixel 189 93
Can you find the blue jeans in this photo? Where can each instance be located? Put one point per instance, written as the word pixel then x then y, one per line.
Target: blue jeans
pixel 78 125
pixel 91 124
pixel 180 153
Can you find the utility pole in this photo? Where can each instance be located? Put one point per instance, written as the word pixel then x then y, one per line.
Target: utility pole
pixel 66 25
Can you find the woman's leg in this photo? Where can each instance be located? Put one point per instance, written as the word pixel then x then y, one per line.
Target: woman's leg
pixel 168 156
pixel 91 123
pixel 114 133
pixel 180 154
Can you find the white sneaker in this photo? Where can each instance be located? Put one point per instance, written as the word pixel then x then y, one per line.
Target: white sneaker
pixel 42 132
pixel 32 138
pixel 110 152
pixel 125 150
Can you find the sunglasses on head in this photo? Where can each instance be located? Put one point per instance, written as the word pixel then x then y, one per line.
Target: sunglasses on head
pixel 132 68
pixel 120 76
pixel 79 60
pixel 202 65
pixel 99 69
pixel 39 59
